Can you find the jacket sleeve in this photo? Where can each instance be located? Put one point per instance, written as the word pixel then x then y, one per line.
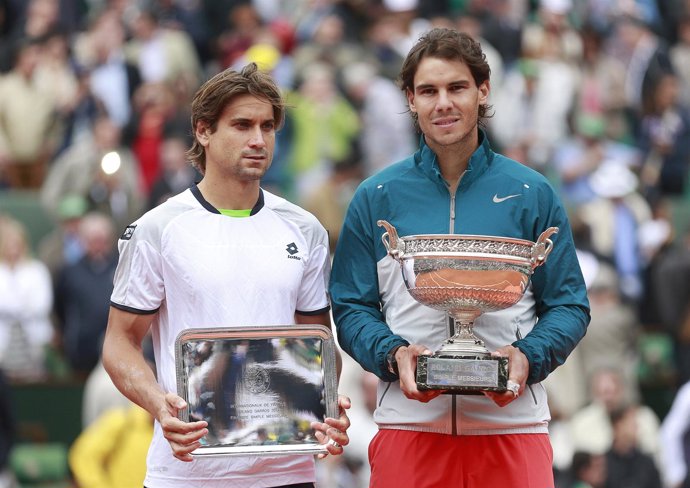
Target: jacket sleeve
pixel 354 289
pixel 560 294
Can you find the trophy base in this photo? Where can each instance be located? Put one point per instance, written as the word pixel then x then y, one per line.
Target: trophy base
pixel 464 375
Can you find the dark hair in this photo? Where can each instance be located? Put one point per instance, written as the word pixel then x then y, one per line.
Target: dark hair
pixel 214 95
pixel 451 45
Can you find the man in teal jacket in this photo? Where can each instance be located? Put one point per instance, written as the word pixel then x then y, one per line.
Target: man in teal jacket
pixel 455 184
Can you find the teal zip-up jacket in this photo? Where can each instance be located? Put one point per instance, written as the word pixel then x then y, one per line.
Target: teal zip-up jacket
pixel 374 312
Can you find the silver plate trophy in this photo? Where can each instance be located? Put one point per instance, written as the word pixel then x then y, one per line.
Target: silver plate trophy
pixel 259 388
pixel 465 276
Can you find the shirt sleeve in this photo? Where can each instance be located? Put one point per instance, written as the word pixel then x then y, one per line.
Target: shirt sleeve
pixel 560 294
pixel 138 283
pixel 313 294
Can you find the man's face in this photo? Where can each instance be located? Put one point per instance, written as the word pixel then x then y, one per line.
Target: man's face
pixel 446 100
pixel 242 146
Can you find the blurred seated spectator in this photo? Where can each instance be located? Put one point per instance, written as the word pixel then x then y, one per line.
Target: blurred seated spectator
pixel 82 294
pixel 99 169
pixel 56 75
pixel 669 283
pixel 588 470
pixel 100 395
pixel 387 134
pixel 243 24
pixel 177 174
pixel 611 339
pixel 324 124
pixel 26 299
pixel 329 200
pixel 107 75
pixel 583 152
pixel 664 138
pixel 675 441
pixel 157 106
pixel 111 451
pixel 62 245
pixel 614 217
pixel 28 135
pixel 626 465
pixel 327 43
pixel 535 99
pixel 7 433
pixel 162 54
pixel 591 427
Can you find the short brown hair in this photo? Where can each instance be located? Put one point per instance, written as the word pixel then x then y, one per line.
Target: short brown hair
pixel 214 95
pixel 451 45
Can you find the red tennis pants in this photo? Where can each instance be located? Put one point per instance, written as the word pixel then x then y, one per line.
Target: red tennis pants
pixel 407 459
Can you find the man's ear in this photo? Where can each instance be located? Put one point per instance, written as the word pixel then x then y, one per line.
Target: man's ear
pixel 484 90
pixel 410 100
pixel 202 133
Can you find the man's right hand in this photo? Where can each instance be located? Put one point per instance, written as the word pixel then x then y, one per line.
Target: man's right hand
pixel 182 436
pixel 406 357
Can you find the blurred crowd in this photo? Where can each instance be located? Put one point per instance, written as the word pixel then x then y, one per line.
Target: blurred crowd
pixel 594 94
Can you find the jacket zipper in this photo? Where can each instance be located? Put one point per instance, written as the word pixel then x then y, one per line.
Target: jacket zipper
pixel 451 321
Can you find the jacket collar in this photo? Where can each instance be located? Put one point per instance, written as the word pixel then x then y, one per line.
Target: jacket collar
pixel 480 160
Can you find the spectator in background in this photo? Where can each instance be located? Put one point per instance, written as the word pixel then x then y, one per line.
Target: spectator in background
pixel 155 106
pixel 31 19
pixel 550 36
pixel 581 153
pixel 111 451
pixel 328 44
pixel 664 139
pixel 669 281
pixel 161 54
pixel 675 441
pixel 26 299
pixel 324 125
pixel 614 217
pixel 600 92
pixel 329 200
pixel 115 189
pixel 28 134
pixel 591 427
pixel 680 57
pixel 176 174
pixel 243 24
pixel 62 246
pixel 588 470
pixel 112 79
pixel 56 76
pixel 626 465
pixel 611 339
pixel 82 294
pixel 7 432
pixel 535 99
pixel 644 54
pixel 387 134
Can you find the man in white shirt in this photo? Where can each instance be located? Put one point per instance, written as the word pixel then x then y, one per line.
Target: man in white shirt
pixel 224 253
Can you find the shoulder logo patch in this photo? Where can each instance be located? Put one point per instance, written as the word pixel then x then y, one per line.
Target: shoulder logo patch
pixel 292 250
pixel 128 233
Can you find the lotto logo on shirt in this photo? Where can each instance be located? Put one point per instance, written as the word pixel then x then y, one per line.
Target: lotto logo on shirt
pixel 292 250
pixel 129 231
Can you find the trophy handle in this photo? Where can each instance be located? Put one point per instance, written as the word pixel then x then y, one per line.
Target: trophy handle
pixel 542 248
pixel 390 239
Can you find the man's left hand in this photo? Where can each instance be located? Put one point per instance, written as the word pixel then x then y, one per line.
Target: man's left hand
pixel 518 370
pixel 333 432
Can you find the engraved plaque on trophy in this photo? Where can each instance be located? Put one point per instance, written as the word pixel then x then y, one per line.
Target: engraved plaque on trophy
pixel 259 388
pixel 465 276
